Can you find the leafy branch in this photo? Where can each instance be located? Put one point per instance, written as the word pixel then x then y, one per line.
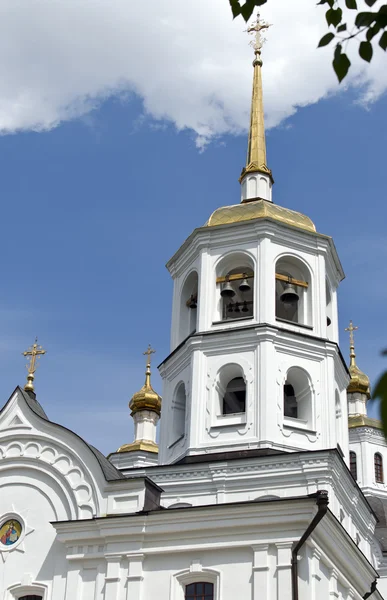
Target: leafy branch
pixel 367 23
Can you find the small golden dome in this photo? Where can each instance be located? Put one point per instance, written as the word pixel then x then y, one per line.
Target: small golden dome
pixel 259 209
pixel 359 381
pixel 146 398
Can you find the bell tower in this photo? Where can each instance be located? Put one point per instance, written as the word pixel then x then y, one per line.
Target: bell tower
pixel 254 362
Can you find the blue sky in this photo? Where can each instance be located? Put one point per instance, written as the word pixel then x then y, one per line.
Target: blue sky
pixel 93 208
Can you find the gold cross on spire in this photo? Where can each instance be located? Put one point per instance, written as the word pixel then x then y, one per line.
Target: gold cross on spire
pixel 148 352
pixel 256 27
pixel 352 354
pixel 35 351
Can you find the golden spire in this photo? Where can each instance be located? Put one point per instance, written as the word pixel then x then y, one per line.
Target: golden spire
pixel 256 151
pixel 359 381
pixel 146 398
pixel 35 351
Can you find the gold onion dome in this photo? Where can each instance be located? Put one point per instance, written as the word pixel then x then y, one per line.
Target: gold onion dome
pixel 260 209
pixel 359 381
pixel 146 398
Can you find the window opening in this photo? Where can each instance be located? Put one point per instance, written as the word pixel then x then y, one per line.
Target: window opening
pixel 292 294
pixel 290 401
pixel 234 399
pixel 237 294
pixel 199 591
pixel 31 597
pixel 353 464
pixel 378 461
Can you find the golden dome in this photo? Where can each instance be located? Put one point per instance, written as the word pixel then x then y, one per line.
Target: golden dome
pixel 359 381
pixel 259 209
pixel 146 398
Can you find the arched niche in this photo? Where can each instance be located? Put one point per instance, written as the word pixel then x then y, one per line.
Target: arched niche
pixel 188 306
pixel 290 270
pixel 179 407
pixel 232 390
pixel 236 272
pixel 298 397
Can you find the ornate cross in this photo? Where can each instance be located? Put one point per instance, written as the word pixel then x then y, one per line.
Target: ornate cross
pixel 35 351
pixel 148 352
pixel 258 26
pixel 351 329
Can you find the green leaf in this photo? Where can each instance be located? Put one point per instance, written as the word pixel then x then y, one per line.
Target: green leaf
pixel 342 27
pixel 333 16
pixel 247 9
pixel 365 19
pixel 381 392
pixel 381 16
pixel 366 51
pixel 326 39
pixel 351 4
pixel 330 2
pixel 235 7
pixel 341 63
pixel 383 40
pixel 372 31
pixel 370 2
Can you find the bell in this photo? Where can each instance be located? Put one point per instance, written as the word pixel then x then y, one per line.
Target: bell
pixel 244 285
pixel 237 309
pixel 328 321
pixel 245 307
pixel 192 302
pixel 230 307
pixel 289 295
pixel 227 290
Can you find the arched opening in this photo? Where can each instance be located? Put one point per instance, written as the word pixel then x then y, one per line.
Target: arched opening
pixel 188 306
pixel 292 291
pixel 178 413
pixel 232 390
pixel 297 392
pixel 378 463
pixel 29 597
pixel 200 590
pixel 353 464
pixel 235 288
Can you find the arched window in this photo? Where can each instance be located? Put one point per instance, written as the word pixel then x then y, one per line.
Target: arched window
pixel 298 397
pixel 328 297
pixel 378 462
pixel 178 413
pixel 290 402
pixel 293 300
pixel 188 306
pixel 353 464
pixel 234 399
pixel 200 590
pixel 235 286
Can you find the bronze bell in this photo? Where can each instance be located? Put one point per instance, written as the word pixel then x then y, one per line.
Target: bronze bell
pixel 193 302
pixel 289 295
pixel 227 290
pixel 237 309
pixel 328 321
pixel 245 307
pixel 244 285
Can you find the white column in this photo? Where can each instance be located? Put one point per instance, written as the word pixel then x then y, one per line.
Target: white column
pixel 145 422
pixel 261 568
pixel 73 582
pixel 113 577
pixel 135 576
pixel 284 573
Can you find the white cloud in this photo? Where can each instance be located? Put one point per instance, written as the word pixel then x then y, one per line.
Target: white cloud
pixel 188 61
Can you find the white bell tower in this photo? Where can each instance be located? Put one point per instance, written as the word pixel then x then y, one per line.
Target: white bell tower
pixel 254 362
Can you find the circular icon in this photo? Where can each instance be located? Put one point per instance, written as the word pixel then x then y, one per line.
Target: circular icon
pixel 10 532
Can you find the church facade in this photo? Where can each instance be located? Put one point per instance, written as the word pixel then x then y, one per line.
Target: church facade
pixel 268 479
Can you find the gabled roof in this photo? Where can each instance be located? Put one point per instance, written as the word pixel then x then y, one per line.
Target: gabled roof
pixel 109 470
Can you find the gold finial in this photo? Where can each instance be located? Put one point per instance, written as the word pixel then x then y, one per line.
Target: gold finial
pixel 359 381
pixel 146 398
pixel 256 150
pixel 148 352
pixel 35 351
pixel 352 355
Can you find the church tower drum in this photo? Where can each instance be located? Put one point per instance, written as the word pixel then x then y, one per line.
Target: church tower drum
pixel 254 360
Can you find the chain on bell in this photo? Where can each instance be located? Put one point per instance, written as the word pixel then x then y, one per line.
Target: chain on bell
pixel 227 290
pixel 289 295
pixel 244 285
